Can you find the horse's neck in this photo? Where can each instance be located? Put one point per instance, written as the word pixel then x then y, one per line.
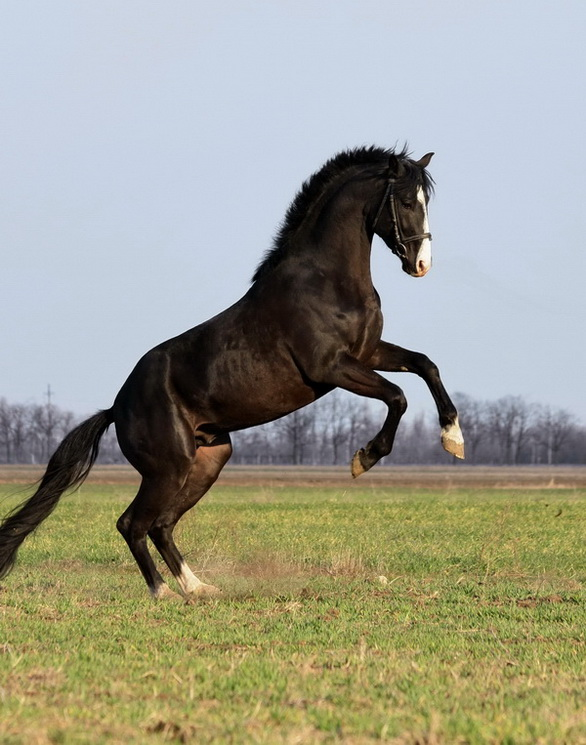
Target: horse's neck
pixel 343 245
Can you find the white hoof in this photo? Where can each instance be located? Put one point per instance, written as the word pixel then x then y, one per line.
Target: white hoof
pixel 453 440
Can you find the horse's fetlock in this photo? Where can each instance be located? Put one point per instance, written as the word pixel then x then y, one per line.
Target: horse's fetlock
pixel 449 419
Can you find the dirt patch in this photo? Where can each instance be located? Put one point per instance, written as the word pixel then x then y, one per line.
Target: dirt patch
pixel 430 477
pixel 533 602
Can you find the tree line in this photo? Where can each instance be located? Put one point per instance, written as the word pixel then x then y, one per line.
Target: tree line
pixel 29 433
pixel 506 431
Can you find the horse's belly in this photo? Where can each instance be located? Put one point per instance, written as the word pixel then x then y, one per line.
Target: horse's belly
pixel 245 390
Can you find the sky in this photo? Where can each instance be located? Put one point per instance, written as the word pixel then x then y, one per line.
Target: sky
pixel 151 149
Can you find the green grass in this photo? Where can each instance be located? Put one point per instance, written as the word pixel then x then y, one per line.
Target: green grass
pixel 414 617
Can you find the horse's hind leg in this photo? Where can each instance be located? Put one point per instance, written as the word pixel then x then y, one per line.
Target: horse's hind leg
pixel 155 494
pixel 162 449
pixel 209 461
pixel 134 523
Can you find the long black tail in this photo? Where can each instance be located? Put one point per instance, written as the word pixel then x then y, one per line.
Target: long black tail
pixel 68 467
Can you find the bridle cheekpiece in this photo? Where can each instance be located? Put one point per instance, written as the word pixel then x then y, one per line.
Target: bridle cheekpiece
pixel 400 240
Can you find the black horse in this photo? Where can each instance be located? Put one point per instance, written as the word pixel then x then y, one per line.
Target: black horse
pixel 310 322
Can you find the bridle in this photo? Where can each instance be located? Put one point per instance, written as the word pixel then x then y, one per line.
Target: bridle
pixel 400 241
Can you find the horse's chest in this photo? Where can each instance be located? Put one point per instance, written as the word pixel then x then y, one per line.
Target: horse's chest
pixel 362 329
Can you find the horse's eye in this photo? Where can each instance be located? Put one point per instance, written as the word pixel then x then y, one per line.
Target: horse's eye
pixel 407 205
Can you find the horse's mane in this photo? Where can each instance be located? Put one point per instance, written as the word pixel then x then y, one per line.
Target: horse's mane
pixel 312 189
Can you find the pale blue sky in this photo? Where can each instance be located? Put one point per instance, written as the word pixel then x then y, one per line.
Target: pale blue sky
pixel 150 150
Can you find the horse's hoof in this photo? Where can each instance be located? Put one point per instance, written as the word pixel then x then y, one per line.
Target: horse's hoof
pixel 164 592
pixel 453 440
pixel 358 467
pixel 202 591
pixel 455 448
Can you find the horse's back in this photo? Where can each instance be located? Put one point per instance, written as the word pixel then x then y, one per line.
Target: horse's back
pixel 233 371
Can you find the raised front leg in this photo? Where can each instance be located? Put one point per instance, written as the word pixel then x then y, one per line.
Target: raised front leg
pixel 391 358
pixel 348 373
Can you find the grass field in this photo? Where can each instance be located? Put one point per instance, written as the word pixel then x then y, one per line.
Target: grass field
pixel 353 612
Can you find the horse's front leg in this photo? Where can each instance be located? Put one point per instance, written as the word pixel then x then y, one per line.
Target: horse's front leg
pixel 348 373
pixel 391 358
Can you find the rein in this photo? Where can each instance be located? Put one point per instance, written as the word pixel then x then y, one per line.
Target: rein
pixel 400 241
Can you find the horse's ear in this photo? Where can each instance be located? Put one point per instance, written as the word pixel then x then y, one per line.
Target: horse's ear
pixel 424 162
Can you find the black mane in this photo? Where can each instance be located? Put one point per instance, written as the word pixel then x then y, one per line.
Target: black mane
pixel 315 185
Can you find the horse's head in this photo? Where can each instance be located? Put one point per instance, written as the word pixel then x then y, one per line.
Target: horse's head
pixel 401 220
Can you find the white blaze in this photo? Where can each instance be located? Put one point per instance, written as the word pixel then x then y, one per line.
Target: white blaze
pixel 424 255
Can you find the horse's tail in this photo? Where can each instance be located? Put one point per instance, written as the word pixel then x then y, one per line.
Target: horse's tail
pixel 68 467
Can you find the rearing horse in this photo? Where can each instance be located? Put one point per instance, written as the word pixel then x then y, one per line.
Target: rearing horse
pixel 310 322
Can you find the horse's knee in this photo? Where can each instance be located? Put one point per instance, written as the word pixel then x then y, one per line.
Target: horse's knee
pixel 424 367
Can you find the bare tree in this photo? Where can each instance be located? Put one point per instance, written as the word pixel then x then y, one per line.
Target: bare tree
pixel 297 429
pixel 509 423
pixel 552 428
pixel 44 422
pixel 20 425
pixel 473 419
pixel 14 430
pixel 362 425
pixel 6 429
pixel 335 427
